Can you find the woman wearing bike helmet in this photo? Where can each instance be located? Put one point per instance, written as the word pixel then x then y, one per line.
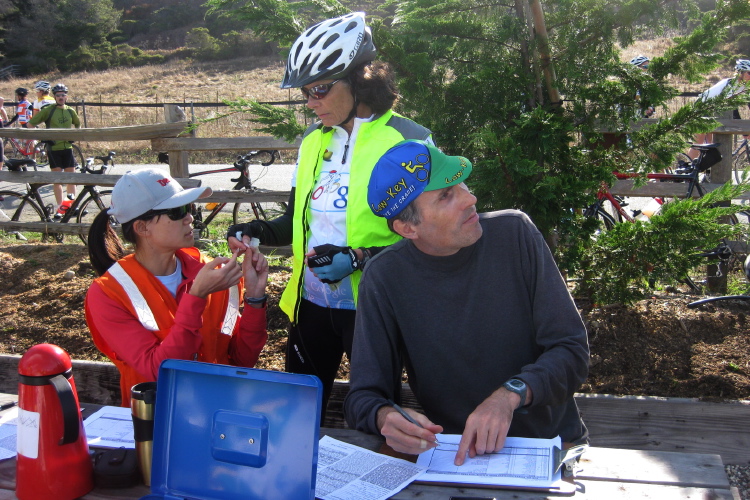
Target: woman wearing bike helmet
pixel 61 156
pixel 734 85
pixel 329 223
pixel 166 300
pixel 43 98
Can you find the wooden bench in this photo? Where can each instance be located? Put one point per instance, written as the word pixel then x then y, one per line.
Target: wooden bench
pixel 632 422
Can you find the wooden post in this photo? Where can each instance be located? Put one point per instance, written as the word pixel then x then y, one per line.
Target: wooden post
pixel 716 273
pixel 178 160
pixel 540 28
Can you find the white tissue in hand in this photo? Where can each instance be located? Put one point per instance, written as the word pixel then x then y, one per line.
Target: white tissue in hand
pixel 254 242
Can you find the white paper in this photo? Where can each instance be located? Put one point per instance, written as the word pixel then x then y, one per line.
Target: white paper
pixel 27 427
pixel 8 430
pixel 348 472
pixel 110 427
pixel 522 462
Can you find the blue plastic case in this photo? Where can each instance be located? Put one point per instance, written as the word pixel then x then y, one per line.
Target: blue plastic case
pixel 223 432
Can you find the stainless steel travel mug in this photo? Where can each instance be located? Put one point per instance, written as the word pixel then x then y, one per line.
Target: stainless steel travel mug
pixel 142 403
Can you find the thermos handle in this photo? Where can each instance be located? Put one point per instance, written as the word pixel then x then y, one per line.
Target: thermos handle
pixel 71 416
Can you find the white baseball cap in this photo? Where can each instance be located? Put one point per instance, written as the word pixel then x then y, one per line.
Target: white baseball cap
pixel 139 191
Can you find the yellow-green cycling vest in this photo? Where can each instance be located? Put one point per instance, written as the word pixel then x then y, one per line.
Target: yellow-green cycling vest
pixel 363 228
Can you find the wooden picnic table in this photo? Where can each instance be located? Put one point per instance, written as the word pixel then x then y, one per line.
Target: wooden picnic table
pixel 607 473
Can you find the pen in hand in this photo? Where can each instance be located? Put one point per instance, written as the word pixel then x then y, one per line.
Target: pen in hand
pixel 407 416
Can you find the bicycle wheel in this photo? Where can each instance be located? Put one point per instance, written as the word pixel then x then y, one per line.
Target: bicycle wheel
pixel 10 150
pixel 597 211
pixel 17 208
pixel 267 210
pixel 78 155
pixel 90 208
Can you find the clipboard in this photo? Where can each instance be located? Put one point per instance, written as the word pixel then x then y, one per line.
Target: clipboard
pixel 562 463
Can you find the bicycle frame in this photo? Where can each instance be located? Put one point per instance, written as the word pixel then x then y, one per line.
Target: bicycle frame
pixel 692 178
pixel 243 183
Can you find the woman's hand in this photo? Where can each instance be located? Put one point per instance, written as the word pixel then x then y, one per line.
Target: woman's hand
pixel 219 274
pixel 255 271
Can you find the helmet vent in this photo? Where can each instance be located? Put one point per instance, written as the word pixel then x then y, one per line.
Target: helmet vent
pixel 330 41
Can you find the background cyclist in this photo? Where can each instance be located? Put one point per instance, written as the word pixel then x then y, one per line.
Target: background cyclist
pixel 43 98
pixel 735 85
pixel 60 152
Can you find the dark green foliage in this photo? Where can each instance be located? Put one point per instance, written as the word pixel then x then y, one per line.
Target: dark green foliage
pixel 620 264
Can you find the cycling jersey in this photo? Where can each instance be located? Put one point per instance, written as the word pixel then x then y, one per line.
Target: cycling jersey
pixel 23 111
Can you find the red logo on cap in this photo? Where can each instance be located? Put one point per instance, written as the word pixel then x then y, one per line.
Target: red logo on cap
pixel 163 182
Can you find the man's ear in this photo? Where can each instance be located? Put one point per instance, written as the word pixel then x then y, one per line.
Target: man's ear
pixel 405 229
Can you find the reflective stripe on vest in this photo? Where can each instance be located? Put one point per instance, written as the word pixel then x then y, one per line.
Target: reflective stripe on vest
pixel 146 316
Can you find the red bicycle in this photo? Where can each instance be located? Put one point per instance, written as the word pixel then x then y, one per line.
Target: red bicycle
pixel 610 209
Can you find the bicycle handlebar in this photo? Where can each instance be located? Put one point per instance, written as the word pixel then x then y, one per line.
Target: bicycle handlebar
pixel 106 160
pixel 245 159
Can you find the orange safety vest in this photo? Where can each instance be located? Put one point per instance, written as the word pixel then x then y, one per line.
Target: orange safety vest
pixel 133 286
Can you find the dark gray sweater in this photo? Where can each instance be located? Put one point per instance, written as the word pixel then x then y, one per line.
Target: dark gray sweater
pixel 464 324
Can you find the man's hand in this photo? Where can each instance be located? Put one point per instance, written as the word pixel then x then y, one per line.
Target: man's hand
pixel 402 435
pixel 487 426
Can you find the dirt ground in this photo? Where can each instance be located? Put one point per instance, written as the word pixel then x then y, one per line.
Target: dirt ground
pixel 658 347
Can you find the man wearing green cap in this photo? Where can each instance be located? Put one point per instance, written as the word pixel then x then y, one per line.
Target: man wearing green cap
pixel 473 306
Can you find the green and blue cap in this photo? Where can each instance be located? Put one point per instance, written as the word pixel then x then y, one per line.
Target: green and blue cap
pixel 407 170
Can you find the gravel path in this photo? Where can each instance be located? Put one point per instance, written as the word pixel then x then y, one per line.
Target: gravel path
pixel 739 476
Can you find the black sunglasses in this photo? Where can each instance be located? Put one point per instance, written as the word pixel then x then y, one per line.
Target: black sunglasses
pixel 176 213
pixel 319 91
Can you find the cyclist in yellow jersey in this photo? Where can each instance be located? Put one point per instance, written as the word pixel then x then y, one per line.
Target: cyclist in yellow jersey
pixel 43 97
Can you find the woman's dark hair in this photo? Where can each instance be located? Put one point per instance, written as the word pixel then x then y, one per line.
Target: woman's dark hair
pixel 105 246
pixel 374 84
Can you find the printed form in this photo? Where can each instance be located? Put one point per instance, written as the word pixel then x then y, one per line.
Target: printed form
pixel 348 472
pixel 522 462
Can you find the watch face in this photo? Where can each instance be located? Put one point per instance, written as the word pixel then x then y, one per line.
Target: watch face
pixel 518 384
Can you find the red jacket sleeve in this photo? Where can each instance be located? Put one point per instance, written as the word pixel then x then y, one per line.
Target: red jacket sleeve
pixel 139 347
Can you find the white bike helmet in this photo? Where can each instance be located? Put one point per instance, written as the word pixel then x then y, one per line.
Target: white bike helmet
pixel 42 85
pixel 638 60
pixel 742 65
pixel 329 50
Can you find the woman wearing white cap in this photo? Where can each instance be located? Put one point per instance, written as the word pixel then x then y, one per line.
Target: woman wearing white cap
pixel 166 300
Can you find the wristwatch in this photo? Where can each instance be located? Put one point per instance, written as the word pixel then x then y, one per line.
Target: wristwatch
pixel 519 387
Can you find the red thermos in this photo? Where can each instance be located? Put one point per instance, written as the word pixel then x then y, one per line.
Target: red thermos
pixel 53 456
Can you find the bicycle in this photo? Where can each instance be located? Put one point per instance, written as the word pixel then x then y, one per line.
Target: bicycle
pixel 31 149
pixel 684 171
pixel 242 210
pixel 25 148
pixel 29 206
pixel 689 172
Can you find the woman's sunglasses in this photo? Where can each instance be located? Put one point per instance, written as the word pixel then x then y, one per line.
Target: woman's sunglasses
pixel 176 213
pixel 319 91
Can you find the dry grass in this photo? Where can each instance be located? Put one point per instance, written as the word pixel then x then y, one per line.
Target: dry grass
pixel 183 82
